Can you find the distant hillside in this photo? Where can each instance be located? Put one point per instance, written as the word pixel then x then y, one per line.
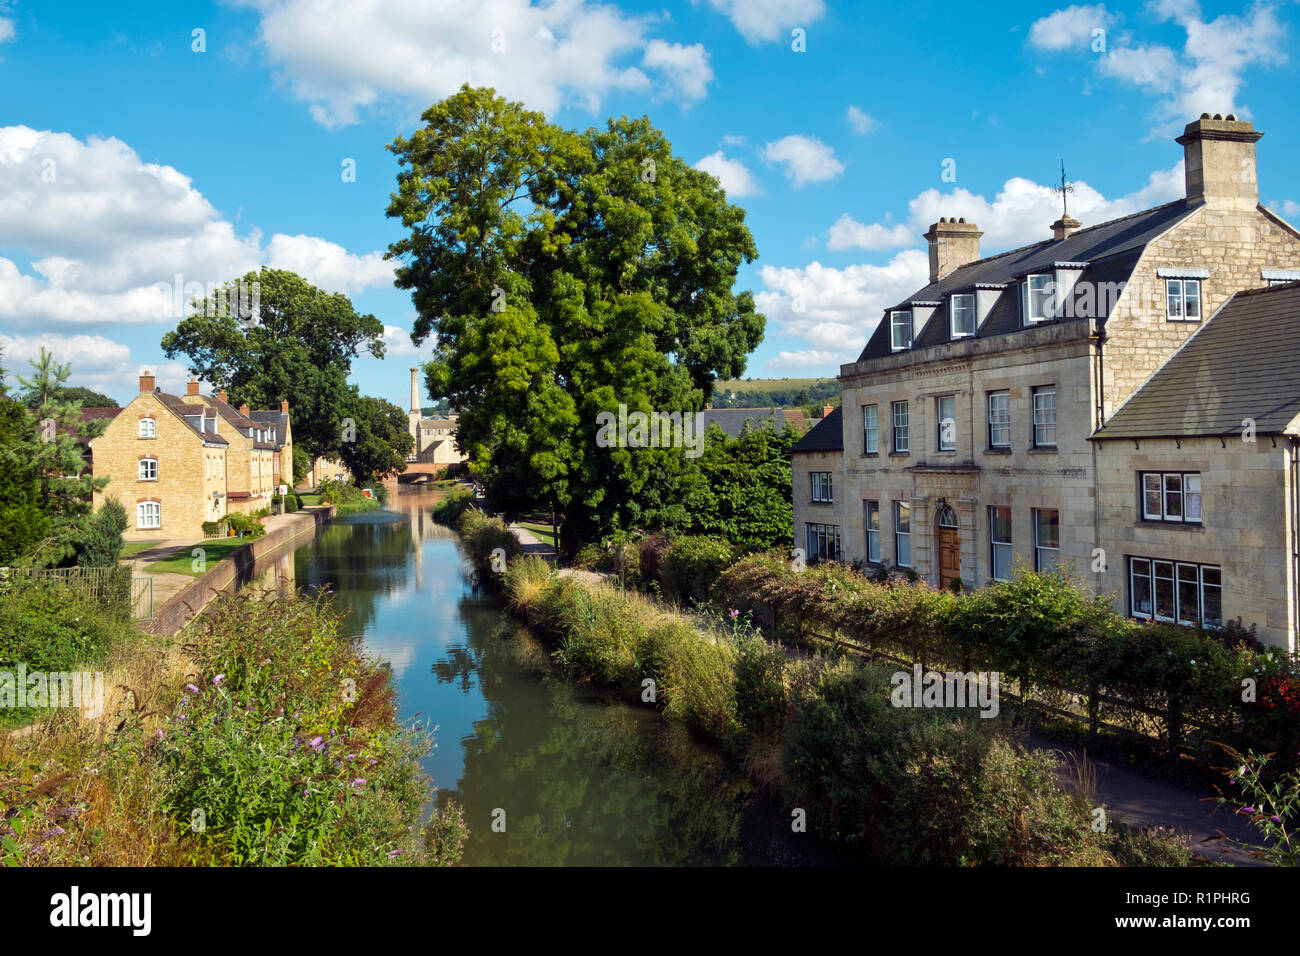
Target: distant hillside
pixel 782 392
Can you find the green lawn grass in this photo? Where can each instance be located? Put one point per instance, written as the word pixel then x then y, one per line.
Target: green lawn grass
pixel 541 531
pixel 133 548
pixel 310 499
pixel 183 562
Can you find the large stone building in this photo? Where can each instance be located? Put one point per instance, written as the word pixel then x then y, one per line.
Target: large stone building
pixel 435 438
pixel 966 445
pixel 175 462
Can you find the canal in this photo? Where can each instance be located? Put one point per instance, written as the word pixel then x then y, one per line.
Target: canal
pixel 578 779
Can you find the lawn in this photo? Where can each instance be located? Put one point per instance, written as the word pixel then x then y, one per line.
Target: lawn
pixel 541 531
pixel 183 561
pixel 310 499
pixel 133 548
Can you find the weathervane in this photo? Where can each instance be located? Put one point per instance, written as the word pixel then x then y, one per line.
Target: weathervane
pixel 1064 189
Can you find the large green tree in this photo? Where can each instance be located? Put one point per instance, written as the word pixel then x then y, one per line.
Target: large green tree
pixel 381 442
pixel 56 449
pixel 746 494
pixel 22 522
pixel 565 274
pixel 298 344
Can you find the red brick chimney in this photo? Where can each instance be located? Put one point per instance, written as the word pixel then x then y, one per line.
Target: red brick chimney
pixel 147 382
pixel 826 410
pixel 223 397
pixel 192 386
pixel 284 406
pixel 243 409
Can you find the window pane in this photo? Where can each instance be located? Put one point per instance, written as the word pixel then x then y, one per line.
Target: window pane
pixel 870 428
pixel 1151 497
pixel 1174 496
pixel 963 315
pixel 1040 297
pixel 1174 298
pixel 1211 597
pixel 1188 594
pixel 1047 528
pixel 1192 299
pixel 1140 586
pixel 1164 577
pixel 999 419
pixel 947 407
pixel 1000 539
pixel 1045 416
pixel 1192 497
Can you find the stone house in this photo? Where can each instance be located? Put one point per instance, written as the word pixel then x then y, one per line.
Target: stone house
pixel 964 445
pixel 435 438
pixel 175 462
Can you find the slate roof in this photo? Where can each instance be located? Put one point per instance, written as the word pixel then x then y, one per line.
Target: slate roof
pixel 826 435
pixel 732 420
pixel 183 408
pixel 1242 363
pixel 1111 250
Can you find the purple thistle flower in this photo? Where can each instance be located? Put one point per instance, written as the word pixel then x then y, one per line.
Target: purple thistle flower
pixel 191 688
pixel 395 853
pixel 317 744
pixel 359 782
pixel 159 733
pixel 1275 818
pixel 735 613
pixel 216 681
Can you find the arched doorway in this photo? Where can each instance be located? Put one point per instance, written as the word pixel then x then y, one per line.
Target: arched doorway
pixel 949 543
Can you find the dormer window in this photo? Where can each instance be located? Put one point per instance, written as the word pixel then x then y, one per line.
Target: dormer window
pixel 961 315
pixel 900 331
pixel 1183 300
pixel 1038 291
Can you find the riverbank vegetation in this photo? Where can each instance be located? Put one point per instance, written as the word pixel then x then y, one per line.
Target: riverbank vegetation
pixel 906 786
pixel 349 499
pixel 258 736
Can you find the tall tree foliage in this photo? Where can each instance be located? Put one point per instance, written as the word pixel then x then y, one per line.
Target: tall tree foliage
pixel 56 450
pixel 565 274
pixel 745 496
pixel 381 443
pixel 298 345
pixel 22 522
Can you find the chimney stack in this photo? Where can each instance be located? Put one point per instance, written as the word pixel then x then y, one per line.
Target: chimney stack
pixel 146 382
pixel 1064 227
pixel 192 386
pixel 415 390
pixel 953 243
pixel 1219 161
pixel 284 406
pixel 243 409
pixel 826 410
pixel 223 397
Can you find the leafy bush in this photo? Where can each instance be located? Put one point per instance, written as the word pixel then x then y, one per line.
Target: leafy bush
pixel 481 536
pixel 762 702
pixel 693 565
pixel 450 509
pixel 249 525
pixel 291 504
pixel 101 542
pixel 211 529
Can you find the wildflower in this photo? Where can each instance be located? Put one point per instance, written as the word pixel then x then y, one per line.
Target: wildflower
pixel 395 853
pixel 317 744
pixel 359 782
pixel 216 681
pixel 734 613
pixel 191 688
pixel 1275 818
pixel 159 733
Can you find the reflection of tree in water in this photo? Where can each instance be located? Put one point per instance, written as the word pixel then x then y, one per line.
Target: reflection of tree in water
pixel 582 781
pixel 361 559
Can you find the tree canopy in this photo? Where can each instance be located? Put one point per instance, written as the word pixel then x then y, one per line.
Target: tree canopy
pixel 298 345
pixel 566 274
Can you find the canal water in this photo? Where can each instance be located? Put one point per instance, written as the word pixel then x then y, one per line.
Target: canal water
pixel 578 778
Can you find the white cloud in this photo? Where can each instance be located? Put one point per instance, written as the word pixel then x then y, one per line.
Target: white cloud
pixel 397 343
pixel 6 29
pixel 98 363
pixel 327 264
pixel 766 20
pixel 569 52
pixel 836 310
pixel 1206 76
pixel 1070 28
pixel 107 235
pixel 848 233
pixel 806 358
pixel 806 159
pixel 735 177
pixel 860 122
pixel 1288 209
pixel 685 67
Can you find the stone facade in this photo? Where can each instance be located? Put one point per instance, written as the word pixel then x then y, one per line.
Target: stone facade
pixel 1222 240
pixel 435 438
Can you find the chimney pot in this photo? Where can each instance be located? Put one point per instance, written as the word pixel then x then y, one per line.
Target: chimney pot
pixel 243 409
pixel 284 406
pixel 147 382
pixel 192 386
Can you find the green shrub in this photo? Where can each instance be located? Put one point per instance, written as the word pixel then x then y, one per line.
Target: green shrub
pixel 762 703
pixel 211 529
pixel 450 509
pixel 590 557
pixel 249 525
pixel 692 566
pixel 101 543
pixel 291 504
pixel 481 536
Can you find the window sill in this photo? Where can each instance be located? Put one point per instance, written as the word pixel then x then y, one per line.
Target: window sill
pixel 997 451
pixel 1182 321
pixel 1045 450
pixel 1176 525
pixel 871 454
pixel 900 454
pixel 821 502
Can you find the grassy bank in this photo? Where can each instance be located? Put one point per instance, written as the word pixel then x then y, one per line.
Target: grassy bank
pixel 907 786
pixel 258 736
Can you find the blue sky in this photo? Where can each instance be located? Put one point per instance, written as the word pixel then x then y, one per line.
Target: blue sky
pixel 128 158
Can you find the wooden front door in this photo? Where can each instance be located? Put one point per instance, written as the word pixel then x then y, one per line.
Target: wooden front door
pixel 949 556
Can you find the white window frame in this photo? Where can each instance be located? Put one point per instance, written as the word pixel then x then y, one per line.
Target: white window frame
pixel 870 429
pixel 142 471
pixel 1187 481
pixel 940 419
pixel 1041 422
pixel 895 325
pixel 1176 291
pixel 816 534
pixel 1028 293
pixel 997 547
pixel 822 489
pixel 150 430
pixel 900 427
pixel 1000 423
pixel 969 309
pixel 872 535
pixel 1042 560
pixel 902 539
pixel 148 515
